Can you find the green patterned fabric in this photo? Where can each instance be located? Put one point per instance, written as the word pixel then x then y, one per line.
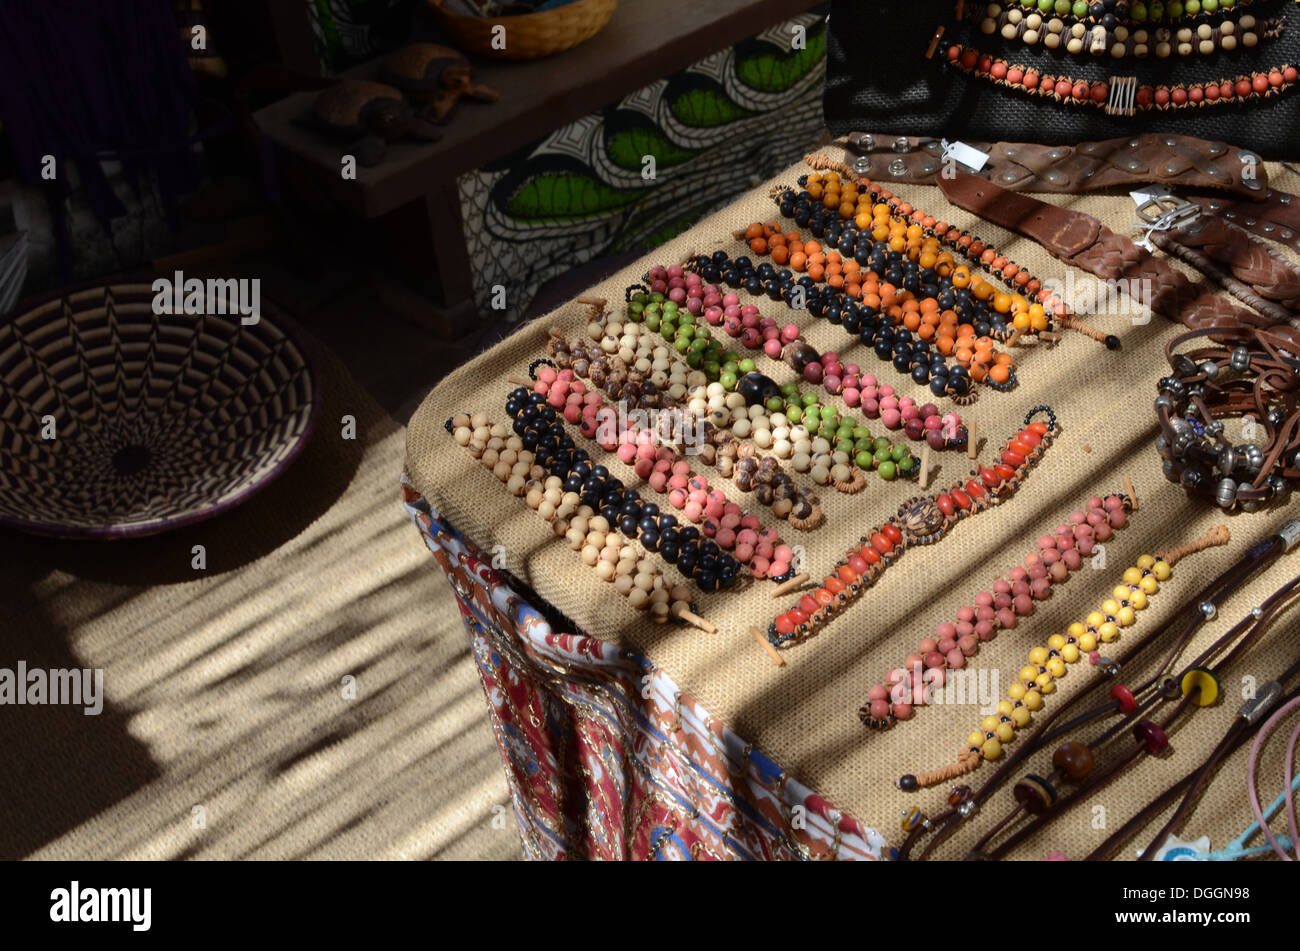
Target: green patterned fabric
pixel 585 191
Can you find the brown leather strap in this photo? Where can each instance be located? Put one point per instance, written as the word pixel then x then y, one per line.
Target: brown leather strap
pixel 1174 160
pixel 1276 217
pixel 1083 241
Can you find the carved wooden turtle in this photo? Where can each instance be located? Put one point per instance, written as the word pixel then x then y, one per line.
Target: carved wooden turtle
pixel 369 116
pixel 437 76
pixel 921 519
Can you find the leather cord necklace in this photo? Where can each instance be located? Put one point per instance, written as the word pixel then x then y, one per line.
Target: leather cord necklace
pixel 1247 722
pixel 1183 625
pixel 1209 384
pixel 1037 796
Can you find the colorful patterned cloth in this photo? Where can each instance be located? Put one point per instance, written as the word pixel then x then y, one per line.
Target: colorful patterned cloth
pixel 645 168
pixel 606 758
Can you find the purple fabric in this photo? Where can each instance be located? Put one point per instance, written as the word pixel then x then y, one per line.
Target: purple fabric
pixel 84 80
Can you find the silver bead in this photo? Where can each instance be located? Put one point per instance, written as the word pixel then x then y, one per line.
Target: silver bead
pixel 1164 402
pixel 1276 417
pixel 1210 369
pixel 1240 360
pixel 1214 428
pixel 1290 533
pixel 1208 609
pixel 1227 461
pixel 966 808
pixel 1251 456
pixel 1161 443
pixel 1226 493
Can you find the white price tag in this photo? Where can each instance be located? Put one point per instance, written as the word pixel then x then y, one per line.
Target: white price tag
pixel 1149 193
pixel 967 155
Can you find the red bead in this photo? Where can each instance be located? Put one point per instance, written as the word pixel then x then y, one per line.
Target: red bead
pixel 960 499
pixel 990 478
pixel 1127 702
pixel 892 532
pixel 945 503
pixel 871 555
pixel 1020 446
pixel 1151 736
pixel 785 624
pixel 858 564
pixel 824 597
pixel 1030 439
pixel 881 544
pixel 1259 83
pixel 808 605
pixel 975 490
pixel 798 617
pixel 1244 87
pixel 1039 428
pixel 1004 471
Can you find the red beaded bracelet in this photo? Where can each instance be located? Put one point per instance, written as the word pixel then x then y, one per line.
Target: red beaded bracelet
pixel 920 521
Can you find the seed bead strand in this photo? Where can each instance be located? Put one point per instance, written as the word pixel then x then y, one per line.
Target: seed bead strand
pixel 1010 599
pixel 614 558
pixel 1048 663
pixel 920 521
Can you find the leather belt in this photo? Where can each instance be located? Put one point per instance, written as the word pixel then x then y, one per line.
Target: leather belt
pixel 1175 160
pixel 1276 216
pixel 1083 241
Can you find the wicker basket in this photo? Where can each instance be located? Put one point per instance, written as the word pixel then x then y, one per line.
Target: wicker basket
pixel 161 420
pixel 528 35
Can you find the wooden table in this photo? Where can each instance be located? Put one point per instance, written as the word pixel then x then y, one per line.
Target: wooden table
pixel 412 194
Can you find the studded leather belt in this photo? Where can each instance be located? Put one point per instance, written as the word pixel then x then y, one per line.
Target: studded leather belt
pixel 1175 160
pixel 1276 216
pixel 1083 241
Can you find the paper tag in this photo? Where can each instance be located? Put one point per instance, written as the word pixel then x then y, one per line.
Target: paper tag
pixel 1150 193
pixel 967 155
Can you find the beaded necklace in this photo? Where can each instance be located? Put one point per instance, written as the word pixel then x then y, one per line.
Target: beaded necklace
pixel 737 532
pixel 661 313
pixel 1135 98
pixel 920 521
pixel 1112 13
pixel 1117 40
pixel 615 558
pixel 1197 686
pixel 1011 598
pixel 1047 664
pixel 1182 627
pixel 751 470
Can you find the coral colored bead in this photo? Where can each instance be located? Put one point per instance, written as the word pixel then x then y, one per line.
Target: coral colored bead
pixel 848 575
pixel 785 624
pixel 808 604
pixel 1030 439
pixel 833 585
pixel 1013 459
pixel 892 532
pixel 1127 702
pixel 945 504
pixel 858 564
pixel 799 617
pixel 990 478
pixel 975 490
pixel 960 499
pixel 824 597
pixel 881 544
pixel 1004 471
pixel 871 555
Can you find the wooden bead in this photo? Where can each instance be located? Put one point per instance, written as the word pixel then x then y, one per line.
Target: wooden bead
pixel 1074 759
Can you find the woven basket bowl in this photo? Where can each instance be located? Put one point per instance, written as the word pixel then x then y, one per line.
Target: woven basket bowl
pixel 158 421
pixel 528 35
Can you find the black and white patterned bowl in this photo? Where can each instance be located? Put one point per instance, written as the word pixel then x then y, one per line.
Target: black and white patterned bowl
pixel 116 422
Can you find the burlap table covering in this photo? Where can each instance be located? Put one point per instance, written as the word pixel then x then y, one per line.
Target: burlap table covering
pixel 804 716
